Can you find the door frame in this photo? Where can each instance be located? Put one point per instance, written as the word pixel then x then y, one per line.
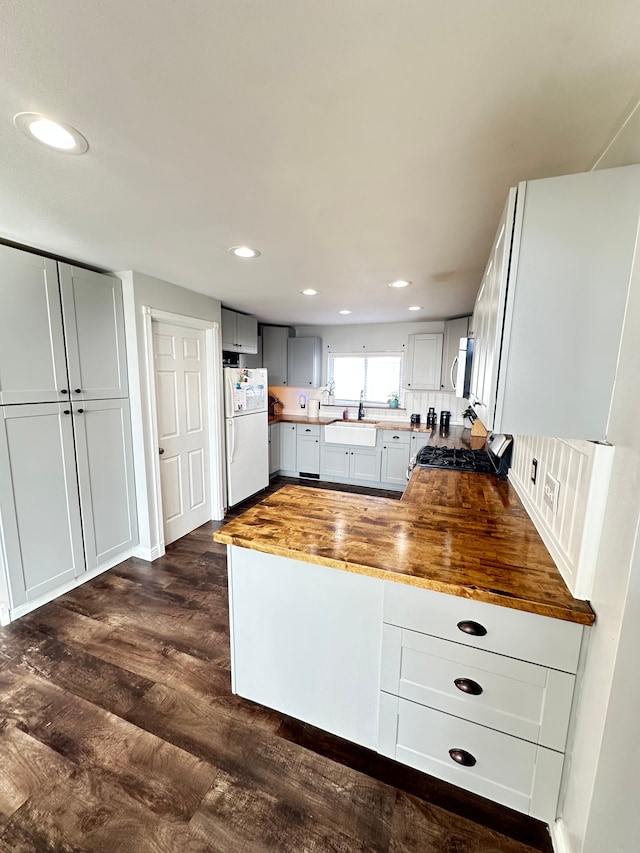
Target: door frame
pixel 213 361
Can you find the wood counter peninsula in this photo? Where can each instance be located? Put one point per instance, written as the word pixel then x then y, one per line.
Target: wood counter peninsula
pixel 435 630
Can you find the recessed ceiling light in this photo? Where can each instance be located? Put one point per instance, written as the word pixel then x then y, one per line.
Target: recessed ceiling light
pixel 344 311
pixel 400 283
pixel 309 292
pixel 55 134
pixel 415 308
pixel 244 252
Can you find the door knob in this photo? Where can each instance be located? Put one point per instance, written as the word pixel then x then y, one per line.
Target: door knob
pixel 161 450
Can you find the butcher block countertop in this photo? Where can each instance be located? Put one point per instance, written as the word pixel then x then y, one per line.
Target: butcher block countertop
pixel 459 533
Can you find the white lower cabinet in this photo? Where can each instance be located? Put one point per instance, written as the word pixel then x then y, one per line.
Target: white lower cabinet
pixel 396 445
pixel 342 461
pixel 308 448
pixel 288 448
pixel 478 695
pixel 274 449
pixel 66 507
pixel 305 640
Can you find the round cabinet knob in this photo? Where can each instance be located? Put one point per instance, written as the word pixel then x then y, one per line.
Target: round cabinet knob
pixel 467 685
pixel 160 450
pixel 474 629
pixel 64 391
pixel 77 390
pixel 80 411
pixel 67 412
pixel 461 756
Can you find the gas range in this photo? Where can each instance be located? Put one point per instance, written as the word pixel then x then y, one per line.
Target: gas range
pixel 495 460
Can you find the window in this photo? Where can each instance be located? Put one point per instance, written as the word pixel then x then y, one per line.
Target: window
pixel 378 375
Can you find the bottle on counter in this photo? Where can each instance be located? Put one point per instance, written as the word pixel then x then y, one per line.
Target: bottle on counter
pixel 431 418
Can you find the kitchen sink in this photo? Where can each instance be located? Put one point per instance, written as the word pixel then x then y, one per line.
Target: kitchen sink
pixel 351 432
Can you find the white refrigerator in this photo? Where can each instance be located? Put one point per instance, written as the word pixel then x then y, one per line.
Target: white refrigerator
pixel 246 431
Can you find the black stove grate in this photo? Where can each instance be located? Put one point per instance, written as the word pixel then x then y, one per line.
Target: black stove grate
pixel 478 461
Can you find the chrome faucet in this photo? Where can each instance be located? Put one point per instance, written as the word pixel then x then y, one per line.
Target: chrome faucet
pixel 361 406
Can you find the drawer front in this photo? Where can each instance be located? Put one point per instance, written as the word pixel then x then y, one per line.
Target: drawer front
pixel 538 639
pixel 390 436
pixel 522 699
pixel 505 769
pixel 308 429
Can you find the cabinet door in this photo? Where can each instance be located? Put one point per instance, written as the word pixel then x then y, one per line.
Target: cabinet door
pixel 334 461
pixel 274 353
pixel 39 507
pixel 424 362
pixel 229 329
pixel 32 357
pixel 274 448
pixel 453 331
pixel 288 447
pixel 304 359
pixel 94 333
pixel 395 458
pixel 364 463
pixel 308 450
pixel 247 333
pixel 105 476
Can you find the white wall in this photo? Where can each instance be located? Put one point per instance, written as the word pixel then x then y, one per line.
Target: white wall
pixel 142 290
pixel 374 337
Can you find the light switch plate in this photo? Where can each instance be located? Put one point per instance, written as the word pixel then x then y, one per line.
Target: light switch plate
pixel 551 492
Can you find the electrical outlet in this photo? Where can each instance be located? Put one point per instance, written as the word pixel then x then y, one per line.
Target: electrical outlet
pixel 534 470
pixel 551 492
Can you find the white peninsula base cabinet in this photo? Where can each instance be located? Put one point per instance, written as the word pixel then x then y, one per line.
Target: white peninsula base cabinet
pixel 473 693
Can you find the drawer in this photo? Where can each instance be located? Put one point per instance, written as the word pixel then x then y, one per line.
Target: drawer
pixel 391 436
pixel 308 429
pixel 522 699
pixel 538 639
pixel 503 768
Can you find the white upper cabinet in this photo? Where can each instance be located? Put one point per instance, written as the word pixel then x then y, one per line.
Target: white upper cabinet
pixel 549 314
pixel 239 332
pixel 423 364
pixel 94 329
pixel 32 356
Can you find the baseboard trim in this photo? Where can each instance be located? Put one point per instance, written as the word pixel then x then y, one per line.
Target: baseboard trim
pixel 147 554
pixel 23 609
pixel 560 837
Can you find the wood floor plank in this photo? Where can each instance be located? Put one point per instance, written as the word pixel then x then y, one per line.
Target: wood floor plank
pixel 158 775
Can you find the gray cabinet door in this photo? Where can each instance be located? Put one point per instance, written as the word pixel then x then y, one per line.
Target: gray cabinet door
pixel 364 463
pixel 94 331
pixel 335 461
pixel 304 362
pixel 288 452
pixel 32 357
pixel 275 341
pixel 247 333
pixel 395 459
pixel 229 329
pixel 39 509
pixel 308 453
pixel 274 448
pixel 105 476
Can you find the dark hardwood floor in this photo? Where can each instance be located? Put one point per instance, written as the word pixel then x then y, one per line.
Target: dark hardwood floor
pixel 118 732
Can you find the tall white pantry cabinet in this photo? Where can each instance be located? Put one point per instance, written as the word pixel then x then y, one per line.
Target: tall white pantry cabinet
pixel 67 495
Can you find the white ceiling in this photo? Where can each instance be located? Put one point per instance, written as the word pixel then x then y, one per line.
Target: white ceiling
pixel 351 141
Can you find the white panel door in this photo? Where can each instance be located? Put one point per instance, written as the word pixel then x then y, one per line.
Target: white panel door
pixel 183 428
pixel 39 507
pixel 94 329
pixel 105 476
pixel 32 358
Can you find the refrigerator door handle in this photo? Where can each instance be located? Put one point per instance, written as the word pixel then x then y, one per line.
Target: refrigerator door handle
pixel 232 428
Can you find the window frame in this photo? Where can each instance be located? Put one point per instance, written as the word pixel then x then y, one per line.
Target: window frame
pixel 365 356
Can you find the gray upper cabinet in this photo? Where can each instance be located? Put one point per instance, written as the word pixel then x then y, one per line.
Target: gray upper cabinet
pixel 305 362
pixel 94 328
pixel 239 332
pixel 423 364
pixel 275 348
pixel 32 356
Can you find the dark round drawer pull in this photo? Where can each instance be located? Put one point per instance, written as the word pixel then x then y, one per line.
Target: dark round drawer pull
pixel 475 629
pixel 467 685
pixel 461 756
